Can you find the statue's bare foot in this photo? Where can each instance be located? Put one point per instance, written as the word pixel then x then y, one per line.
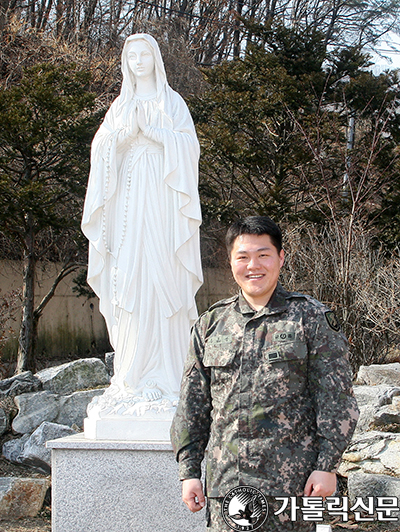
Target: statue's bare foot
pixel 151 392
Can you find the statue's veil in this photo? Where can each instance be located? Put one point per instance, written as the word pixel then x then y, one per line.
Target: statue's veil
pixel 128 79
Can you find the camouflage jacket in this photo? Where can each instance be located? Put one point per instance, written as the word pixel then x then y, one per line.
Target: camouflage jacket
pixel 269 392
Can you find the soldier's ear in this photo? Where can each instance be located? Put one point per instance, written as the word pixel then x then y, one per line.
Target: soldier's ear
pixel 281 258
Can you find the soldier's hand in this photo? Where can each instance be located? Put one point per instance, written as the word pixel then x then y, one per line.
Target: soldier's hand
pixel 320 484
pixel 192 494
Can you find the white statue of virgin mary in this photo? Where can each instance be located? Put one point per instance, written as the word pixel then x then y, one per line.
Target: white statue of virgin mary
pixel 142 217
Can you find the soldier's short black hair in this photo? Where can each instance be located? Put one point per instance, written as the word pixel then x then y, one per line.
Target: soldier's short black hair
pixel 254 225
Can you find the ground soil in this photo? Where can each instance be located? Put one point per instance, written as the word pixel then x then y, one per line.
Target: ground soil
pixel 32 524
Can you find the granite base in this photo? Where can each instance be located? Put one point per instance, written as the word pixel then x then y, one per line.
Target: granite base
pixel 106 486
pixel 119 486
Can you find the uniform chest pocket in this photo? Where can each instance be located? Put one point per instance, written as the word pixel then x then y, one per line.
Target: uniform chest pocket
pixel 219 355
pixel 285 365
pixel 287 352
pixel 218 352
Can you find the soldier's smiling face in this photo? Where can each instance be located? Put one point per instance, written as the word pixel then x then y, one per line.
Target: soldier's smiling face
pixel 256 264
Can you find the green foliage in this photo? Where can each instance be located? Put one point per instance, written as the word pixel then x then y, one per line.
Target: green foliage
pixel 46 125
pixel 300 53
pixel 47 121
pixel 274 130
pixel 349 61
pixel 246 123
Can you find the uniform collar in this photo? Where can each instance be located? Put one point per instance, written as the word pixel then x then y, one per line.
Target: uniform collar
pixel 277 303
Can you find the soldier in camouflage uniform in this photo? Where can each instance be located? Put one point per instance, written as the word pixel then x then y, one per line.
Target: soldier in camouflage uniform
pixel 266 385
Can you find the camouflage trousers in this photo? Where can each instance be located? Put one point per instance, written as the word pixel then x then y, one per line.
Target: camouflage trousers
pixel 216 523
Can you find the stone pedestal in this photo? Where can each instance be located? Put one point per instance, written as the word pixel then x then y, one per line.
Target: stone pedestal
pixel 117 486
pixel 132 429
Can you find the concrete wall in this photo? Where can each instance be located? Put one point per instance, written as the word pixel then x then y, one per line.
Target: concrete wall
pixel 74 325
pixel 218 284
pixel 69 325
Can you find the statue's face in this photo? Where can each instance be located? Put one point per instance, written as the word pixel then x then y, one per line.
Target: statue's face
pixel 140 59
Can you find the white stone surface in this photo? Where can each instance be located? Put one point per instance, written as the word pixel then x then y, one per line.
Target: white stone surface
pixel 386 415
pixel 111 486
pixel 371 395
pixel 376 374
pixel 128 428
pixel 378 406
pixel 372 485
pixel 372 452
pixel 142 217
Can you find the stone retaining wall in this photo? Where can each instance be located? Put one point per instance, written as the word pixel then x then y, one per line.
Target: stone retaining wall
pixel 52 404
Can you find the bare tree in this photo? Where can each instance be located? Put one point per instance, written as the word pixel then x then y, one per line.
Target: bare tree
pixel 319 262
pixel 214 30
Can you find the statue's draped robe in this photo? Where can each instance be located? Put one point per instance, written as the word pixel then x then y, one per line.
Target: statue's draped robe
pixel 142 218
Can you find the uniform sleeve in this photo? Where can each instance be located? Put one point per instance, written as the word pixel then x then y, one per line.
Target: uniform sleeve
pixel 330 385
pixel 191 424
